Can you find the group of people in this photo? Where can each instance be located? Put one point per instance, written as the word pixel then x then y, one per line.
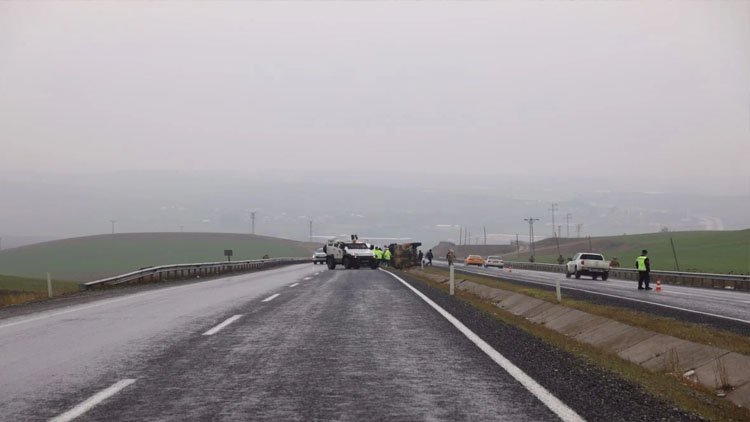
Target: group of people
pixel 382 255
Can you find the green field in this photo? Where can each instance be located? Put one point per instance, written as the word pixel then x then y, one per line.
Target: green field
pixel 17 290
pixel 89 258
pixel 698 251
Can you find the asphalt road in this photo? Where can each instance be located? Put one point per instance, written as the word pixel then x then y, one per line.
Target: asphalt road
pixel 723 308
pixel 296 343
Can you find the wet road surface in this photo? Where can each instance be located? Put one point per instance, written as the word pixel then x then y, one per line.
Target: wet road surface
pixel 296 343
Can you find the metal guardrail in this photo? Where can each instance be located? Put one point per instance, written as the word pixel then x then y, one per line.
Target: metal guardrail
pixel 177 271
pixel 708 280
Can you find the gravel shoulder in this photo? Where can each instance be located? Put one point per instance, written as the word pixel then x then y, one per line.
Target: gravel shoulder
pixel 595 393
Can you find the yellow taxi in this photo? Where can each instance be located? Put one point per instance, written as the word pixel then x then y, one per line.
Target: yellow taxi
pixel 474 260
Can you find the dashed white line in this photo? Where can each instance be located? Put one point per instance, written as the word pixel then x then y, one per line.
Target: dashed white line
pixel 222 325
pixel 307 278
pixel 553 403
pixel 294 285
pixel 93 401
pixel 270 298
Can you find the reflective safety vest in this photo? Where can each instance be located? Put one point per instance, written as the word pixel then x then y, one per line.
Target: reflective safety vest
pixel 378 253
pixel 641 263
pixel 387 255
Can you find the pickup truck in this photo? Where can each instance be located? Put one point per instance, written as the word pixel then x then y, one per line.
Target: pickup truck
pixel 587 263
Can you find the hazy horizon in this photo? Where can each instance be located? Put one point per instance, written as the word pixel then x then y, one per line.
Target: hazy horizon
pixel 633 116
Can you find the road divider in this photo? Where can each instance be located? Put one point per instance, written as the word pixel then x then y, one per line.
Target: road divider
pixel 554 404
pixel 94 400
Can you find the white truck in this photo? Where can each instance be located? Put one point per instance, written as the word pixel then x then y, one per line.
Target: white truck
pixel 352 254
pixel 587 263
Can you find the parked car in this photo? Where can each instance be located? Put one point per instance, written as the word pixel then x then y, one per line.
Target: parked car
pixel 319 256
pixel 474 260
pixel 587 263
pixel 494 261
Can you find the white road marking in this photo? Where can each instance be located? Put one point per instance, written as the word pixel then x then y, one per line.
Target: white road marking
pixel 294 285
pixel 93 401
pixel 222 325
pixel 76 308
pixel 553 403
pixel 270 298
pixel 631 299
pixel 307 278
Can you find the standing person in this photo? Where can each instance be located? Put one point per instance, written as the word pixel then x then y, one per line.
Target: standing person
pixel 643 265
pixel 387 257
pixel 451 256
pixel 420 257
pixel 378 253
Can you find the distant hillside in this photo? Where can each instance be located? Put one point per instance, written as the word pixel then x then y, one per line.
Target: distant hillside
pixel 92 257
pixel 700 251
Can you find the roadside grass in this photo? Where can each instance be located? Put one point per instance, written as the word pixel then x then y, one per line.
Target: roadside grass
pixel 18 290
pixel 670 387
pixel 697 251
pixel 687 331
pixel 92 257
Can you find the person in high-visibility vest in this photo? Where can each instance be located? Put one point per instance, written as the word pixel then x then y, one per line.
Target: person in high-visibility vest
pixel 387 257
pixel 643 265
pixel 378 254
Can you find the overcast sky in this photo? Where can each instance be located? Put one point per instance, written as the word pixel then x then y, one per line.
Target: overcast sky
pixel 635 91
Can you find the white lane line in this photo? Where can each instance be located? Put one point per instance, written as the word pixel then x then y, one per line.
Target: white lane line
pixel 294 285
pixel 307 278
pixel 553 403
pixel 222 325
pixel 631 299
pixel 93 401
pixel 76 308
pixel 270 298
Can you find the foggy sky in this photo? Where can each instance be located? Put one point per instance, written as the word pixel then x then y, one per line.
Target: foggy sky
pixel 636 93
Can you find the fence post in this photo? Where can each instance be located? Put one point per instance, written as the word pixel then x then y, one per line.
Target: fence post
pixel 49 285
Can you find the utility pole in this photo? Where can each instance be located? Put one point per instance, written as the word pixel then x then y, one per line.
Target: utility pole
pixel 518 247
pixel 460 234
pixel 567 224
pixel 578 229
pixel 485 235
pixel 310 230
pixel 553 209
pixel 531 221
pixel 113 225
pixel 252 225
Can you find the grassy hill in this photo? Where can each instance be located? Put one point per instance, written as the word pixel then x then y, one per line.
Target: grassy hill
pixel 700 251
pixel 92 257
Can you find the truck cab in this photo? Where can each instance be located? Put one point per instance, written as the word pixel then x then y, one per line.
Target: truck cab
pixel 350 254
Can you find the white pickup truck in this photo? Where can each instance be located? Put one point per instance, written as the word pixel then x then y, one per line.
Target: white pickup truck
pixel 587 263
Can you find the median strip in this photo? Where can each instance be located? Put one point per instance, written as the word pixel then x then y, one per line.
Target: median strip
pixel 94 400
pixel 553 403
pixel 222 325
